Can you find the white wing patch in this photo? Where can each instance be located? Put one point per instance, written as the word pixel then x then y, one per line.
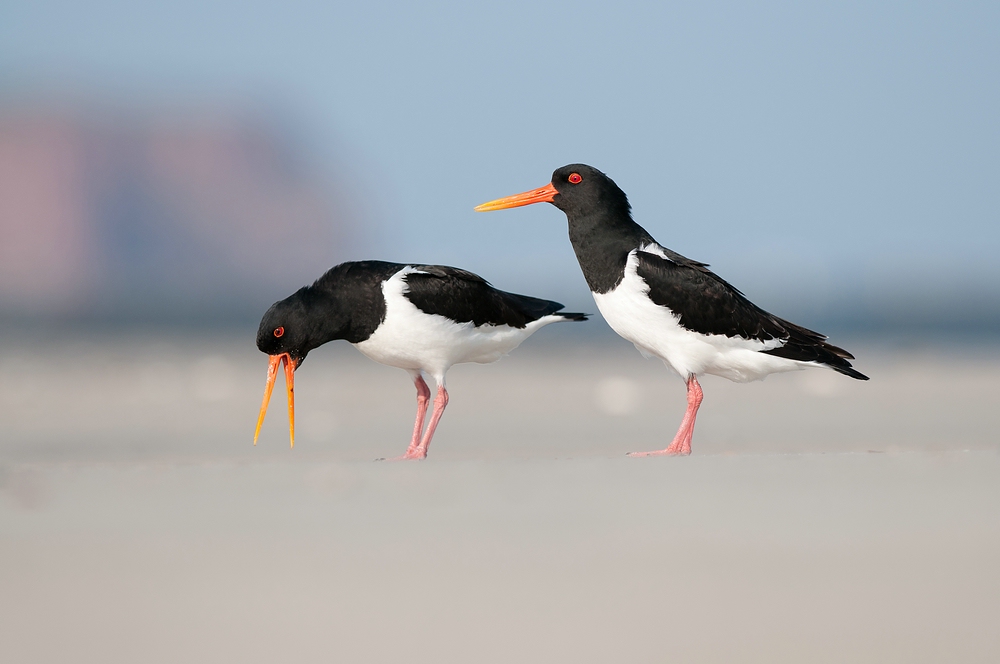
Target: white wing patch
pixel 655 249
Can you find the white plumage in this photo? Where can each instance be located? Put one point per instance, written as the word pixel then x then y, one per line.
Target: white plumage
pixel 667 305
pixel 420 318
pixel 414 340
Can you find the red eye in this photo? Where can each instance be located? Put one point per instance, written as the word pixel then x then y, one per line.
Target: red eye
pixel 575 178
pixel 279 331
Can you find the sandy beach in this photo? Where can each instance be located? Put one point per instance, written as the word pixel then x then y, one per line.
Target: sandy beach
pixel 820 519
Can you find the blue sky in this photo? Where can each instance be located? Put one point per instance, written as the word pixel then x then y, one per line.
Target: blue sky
pixel 813 153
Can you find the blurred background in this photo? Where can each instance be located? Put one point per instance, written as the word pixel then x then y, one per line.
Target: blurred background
pixel 191 160
pixel 170 169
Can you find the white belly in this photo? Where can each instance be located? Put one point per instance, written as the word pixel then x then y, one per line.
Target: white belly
pixel 655 330
pixel 410 339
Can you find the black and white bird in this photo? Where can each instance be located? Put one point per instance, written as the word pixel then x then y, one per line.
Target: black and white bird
pixel 669 306
pixel 421 318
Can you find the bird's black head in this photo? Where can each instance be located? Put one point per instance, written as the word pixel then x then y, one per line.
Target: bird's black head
pixel 583 189
pixel 289 330
pixel 298 324
pixel 577 189
pixel 283 330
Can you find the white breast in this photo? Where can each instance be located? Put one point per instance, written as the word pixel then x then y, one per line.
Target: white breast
pixel 656 331
pixel 411 339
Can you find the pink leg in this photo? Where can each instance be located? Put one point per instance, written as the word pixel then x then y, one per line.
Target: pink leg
pixel 440 403
pixel 423 399
pixel 681 444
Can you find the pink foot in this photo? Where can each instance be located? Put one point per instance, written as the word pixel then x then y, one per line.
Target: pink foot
pixel 681 445
pixel 418 449
pixel 670 451
pixel 407 457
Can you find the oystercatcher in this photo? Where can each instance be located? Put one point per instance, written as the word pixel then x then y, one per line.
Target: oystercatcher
pixel 669 306
pixel 421 318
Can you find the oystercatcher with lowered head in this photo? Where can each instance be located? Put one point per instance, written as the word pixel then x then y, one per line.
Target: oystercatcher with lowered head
pixel 421 318
pixel 670 306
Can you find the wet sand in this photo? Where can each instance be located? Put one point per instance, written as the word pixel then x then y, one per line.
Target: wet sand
pixel 820 519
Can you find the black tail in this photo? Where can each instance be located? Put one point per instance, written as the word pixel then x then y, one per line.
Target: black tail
pixel 847 370
pixel 821 353
pixel 805 345
pixel 534 308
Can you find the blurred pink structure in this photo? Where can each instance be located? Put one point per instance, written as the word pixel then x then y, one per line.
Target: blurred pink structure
pixel 158 216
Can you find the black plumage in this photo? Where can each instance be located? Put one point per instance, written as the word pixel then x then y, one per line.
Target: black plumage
pixel 668 305
pixel 465 297
pixel 603 235
pixel 708 304
pixel 412 316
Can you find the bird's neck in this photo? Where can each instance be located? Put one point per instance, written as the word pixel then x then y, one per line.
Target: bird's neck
pixel 602 242
pixel 328 319
pixel 351 314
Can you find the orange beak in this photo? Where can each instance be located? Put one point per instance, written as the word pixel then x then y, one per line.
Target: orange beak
pixel 272 374
pixel 541 195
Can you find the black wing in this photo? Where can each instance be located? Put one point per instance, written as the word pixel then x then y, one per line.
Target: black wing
pixel 708 304
pixel 466 297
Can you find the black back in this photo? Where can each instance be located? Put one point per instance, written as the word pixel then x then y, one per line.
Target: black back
pixel 465 297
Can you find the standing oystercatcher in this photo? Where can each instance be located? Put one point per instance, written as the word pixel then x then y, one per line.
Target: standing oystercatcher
pixel 670 306
pixel 422 318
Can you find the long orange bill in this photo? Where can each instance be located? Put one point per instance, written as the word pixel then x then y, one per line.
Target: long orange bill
pixel 290 386
pixel 272 374
pixel 541 195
